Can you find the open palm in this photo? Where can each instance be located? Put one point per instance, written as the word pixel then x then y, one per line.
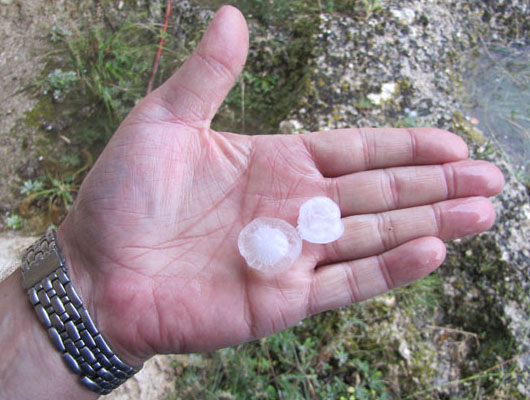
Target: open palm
pixel 153 232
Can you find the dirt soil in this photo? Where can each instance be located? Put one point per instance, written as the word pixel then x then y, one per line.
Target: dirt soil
pixel 24 34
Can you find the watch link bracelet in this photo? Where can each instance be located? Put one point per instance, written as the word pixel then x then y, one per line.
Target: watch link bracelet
pixel 70 327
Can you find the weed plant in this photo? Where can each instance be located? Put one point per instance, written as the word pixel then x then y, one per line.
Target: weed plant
pixel 342 354
pixel 15 222
pixel 54 191
pixel 103 74
pixel 309 361
pixel 100 73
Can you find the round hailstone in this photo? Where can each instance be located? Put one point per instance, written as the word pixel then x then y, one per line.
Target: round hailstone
pixel 269 244
pixel 319 220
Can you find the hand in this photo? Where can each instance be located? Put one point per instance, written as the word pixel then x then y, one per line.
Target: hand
pixel 152 238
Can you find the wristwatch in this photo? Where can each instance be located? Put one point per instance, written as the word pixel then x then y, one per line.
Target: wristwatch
pixel 69 325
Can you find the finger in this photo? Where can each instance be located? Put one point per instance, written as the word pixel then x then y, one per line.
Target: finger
pixel 351 150
pixel 195 92
pixel 346 283
pixel 367 235
pixel 402 187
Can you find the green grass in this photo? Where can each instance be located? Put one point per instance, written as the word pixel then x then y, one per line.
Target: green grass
pixel 344 354
pixel 353 353
pixel 98 77
pixel 305 362
pixel 101 70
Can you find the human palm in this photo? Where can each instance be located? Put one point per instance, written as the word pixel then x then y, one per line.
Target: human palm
pixel 154 229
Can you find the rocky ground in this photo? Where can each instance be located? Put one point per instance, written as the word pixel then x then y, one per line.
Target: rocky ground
pixel 404 67
pixel 374 63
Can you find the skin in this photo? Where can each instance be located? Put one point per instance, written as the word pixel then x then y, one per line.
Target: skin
pixel 151 241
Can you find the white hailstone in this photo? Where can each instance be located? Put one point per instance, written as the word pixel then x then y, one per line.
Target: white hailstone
pixel 269 244
pixel 319 220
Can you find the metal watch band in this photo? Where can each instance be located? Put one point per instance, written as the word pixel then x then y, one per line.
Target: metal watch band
pixel 67 321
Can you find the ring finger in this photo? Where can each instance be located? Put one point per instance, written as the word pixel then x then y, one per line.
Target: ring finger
pixel 371 234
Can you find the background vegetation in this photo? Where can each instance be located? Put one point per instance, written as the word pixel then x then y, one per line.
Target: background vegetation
pixel 388 347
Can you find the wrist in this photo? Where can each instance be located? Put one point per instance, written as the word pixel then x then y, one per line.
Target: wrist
pixel 66 319
pixel 27 347
pixel 93 286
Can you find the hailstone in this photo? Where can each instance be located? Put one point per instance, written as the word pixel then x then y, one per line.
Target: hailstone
pixel 319 220
pixel 269 244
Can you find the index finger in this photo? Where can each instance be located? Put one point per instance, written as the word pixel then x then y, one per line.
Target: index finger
pixel 345 151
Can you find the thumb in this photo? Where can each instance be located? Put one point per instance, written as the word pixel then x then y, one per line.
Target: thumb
pixel 195 92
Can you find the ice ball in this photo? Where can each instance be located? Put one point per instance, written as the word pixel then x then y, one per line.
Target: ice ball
pixel 269 244
pixel 319 220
